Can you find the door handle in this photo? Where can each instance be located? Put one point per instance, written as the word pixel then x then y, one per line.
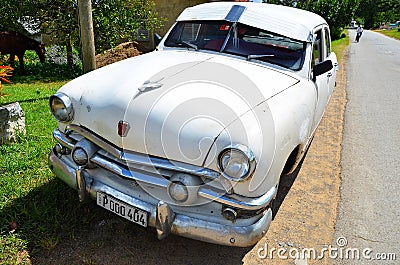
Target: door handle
pixel 336 65
pixel 329 74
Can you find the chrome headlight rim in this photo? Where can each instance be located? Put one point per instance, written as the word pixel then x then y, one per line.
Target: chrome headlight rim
pixel 246 153
pixel 67 105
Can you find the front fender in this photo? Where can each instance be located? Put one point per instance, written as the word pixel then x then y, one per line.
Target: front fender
pixel 255 129
pixel 272 130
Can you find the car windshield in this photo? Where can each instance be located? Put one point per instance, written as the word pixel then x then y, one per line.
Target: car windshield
pixel 238 39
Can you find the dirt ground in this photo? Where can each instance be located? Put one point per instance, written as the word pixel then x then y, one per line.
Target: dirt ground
pixel 307 203
pixel 307 215
pixel 122 51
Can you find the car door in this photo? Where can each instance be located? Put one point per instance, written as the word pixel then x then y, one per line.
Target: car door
pixel 330 55
pixel 321 82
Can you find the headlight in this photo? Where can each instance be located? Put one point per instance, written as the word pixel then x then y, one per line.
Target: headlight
pixel 61 107
pixel 237 163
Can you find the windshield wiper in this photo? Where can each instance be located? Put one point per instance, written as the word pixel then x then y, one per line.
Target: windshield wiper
pixel 188 44
pixel 256 56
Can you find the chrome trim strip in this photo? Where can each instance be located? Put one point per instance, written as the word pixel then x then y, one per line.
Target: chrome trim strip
pixel 66 142
pixel 125 173
pixel 139 159
pixel 96 140
pixel 241 202
pixel 168 165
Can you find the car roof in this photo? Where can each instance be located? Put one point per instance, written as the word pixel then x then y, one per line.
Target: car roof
pixel 288 21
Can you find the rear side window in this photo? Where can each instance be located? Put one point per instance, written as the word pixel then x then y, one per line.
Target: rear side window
pixel 327 42
pixel 318 48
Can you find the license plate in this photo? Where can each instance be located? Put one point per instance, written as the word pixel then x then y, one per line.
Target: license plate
pixel 122 209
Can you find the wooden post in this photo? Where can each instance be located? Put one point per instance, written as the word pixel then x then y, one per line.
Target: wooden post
pixel 87 35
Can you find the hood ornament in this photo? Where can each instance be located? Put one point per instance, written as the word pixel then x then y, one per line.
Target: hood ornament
pixel 149 85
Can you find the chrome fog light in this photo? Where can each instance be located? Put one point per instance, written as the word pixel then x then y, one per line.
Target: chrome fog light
pixel 80 156
pixel 183 188
pixel 178 191
pixel 237 163
pixel 83 152
pixel 61 107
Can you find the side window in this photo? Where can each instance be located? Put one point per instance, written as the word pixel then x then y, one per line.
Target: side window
pixel 327 42
pixel 317 48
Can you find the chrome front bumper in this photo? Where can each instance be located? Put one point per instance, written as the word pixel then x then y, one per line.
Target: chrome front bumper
pixel 125 176
pixel 161 215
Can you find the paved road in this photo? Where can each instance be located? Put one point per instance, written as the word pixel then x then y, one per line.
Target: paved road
pixel 369 211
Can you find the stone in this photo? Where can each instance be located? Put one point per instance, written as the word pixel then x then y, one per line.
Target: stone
pixel 12 122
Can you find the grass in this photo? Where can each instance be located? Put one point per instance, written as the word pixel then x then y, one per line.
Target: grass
pixel 42 209
pixel 393 33
pixel 24 173
pixel 37 211
pixel 338 46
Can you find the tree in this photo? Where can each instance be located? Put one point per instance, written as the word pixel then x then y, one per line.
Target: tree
pixel 374 12
pixel 120 19
pixel 113 19
pixel 337 13
pixel 87 35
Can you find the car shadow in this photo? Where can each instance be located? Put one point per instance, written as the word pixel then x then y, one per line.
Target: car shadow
pixel 60 230
pixel 285 184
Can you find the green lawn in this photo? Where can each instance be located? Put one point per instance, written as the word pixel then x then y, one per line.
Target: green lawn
pixel 338 46
pixel 37 211
pixel 44 210
pixel 28 196
pixel 393 33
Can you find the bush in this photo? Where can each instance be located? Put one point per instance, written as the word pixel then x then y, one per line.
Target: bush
pixel 46 72
pixel 55 67
pixel 58 55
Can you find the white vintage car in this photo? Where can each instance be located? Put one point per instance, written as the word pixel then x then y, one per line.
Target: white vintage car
pixel 193 138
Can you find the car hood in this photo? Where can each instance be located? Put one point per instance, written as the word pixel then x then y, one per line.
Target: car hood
pixel 174 103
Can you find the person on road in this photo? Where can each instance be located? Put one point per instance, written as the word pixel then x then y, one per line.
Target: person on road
pixel 359 33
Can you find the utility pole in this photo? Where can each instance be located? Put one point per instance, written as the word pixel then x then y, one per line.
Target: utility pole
pixel 87 35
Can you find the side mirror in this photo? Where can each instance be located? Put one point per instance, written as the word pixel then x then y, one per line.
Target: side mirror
pixel 322 68
pixel 157 39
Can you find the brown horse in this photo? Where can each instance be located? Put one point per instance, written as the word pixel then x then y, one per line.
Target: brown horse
pixel 14 43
